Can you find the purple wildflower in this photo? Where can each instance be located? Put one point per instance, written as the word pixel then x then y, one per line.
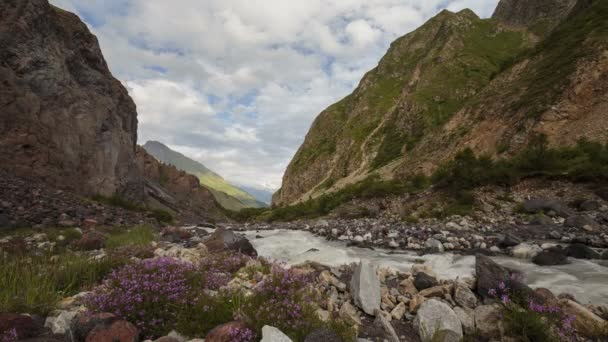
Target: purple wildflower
pixel 9 335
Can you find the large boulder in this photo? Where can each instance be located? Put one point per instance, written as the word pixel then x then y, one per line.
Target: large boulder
pixel 433 246
pixel 582 222
pixel 490 275
pixel 224 332
pixel 550 258
pixel 223 239
pixel 464 296
pixel 118 331
pixel 424 281
pixel 525 251
pixel 488 320
pixel 534 206
pixel 272 334
pixel 23 326
pixel 365 288
pixel 580 251
pixel 585 321
pixel 437 322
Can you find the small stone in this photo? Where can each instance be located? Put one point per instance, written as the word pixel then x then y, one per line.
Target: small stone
pixel 464 296
pixel 350 314
pixel 407 287
pixel 399 311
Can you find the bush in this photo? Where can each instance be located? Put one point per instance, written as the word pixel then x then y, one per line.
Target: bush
pixel 34 284
pixel 117 201
pixel 162 216
pixel 146 294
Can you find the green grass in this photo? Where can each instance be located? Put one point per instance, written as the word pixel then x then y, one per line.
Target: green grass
pixel 117 201
pixel 137 236
pixel 34 283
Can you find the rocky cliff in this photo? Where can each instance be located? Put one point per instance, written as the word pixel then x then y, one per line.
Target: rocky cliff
pixel 460 81
pixel 539 14
pixel 174 190
pixel 63 117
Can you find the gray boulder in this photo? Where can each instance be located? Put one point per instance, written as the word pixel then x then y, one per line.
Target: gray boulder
pixel 534 206
pixel 490 274
pixel 550 258
pixel 424 281
pixel 433 246
pixel 582 222
pixel 437 322
pixel 464 296
pixel 488 320
pixel 272 334
pixel 365 288
pixel 223 239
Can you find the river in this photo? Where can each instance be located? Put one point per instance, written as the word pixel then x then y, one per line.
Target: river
pixel 586 280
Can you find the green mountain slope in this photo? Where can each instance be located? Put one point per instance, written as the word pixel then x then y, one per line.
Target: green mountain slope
pixel 460 81
pixel 228 195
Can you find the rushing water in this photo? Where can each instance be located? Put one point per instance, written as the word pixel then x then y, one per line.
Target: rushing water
pixel 586 280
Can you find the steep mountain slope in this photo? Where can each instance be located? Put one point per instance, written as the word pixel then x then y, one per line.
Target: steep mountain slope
pixel 228 195
pixel 176 191
pixel 63 117
pixel 262 195
pixel 456 82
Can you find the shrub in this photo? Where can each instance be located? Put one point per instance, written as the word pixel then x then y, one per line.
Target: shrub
pixel 146 294
pixel 529 321
pixel 137 236
pixel 117 201
pixel 207 312
pixel 218 269
pixel 162 216
pixel 286 301
pixel 34 284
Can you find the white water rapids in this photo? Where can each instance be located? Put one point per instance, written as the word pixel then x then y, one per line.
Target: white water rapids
pixel 586 280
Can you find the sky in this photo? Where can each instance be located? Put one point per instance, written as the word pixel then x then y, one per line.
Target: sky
pixel 236 84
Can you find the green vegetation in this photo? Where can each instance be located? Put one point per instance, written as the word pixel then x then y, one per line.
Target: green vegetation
pixel 34 283
pixel 117 201
pixel 556 57
pixel 140 236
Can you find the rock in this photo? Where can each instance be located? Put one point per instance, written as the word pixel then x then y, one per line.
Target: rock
pixel 424 281
pixel 399 311
pixel 525 251
pixel 84 323
pixel 167 339
pixel 541 220
pixel 437 322
pixel 365 288
pixel 490 275
pixel 415 303
pixel 602 193
pixel 383 323
pixel 327 278
pixel 322 335
pixel 5 222
pixel 418 268
pixel 550 258
pixel 547 297
pixel 464 296
pixel 580 251
pixel 431 292
pixel 488 320
pixel 191 255
pixel 407 287
pixel 119 331
pixel 223 239
pixel 466 317
pixel 433 246
pixel 222 333
pixel 272 334
pixel 90 241
pixel 586 321
pixel 543 205
pixel 323 315
pixel 509 240
pixel 589 205
pixel 60 323
pixel 24 326
pixel 582 222
pixel 350 314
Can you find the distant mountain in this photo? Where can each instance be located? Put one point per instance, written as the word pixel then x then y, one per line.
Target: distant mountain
pixel 262 195
pixel 227 195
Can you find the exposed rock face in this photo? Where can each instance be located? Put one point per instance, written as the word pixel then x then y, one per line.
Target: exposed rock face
pixel 63 116
pixel 167 187
pixel 422 105
pixel 529 12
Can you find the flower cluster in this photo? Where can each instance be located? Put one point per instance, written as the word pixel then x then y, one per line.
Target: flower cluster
pixel 218 269
pixel 502 292
pixel 9 336
pixel 145 293
pixel 283 299
pixel 238 334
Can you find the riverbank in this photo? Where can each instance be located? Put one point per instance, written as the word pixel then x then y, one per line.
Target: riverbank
pixel 225 282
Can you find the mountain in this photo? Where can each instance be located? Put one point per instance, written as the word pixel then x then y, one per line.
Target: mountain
pixel 63 117
pixel 463 82
pixel 228 195
pixel 262 195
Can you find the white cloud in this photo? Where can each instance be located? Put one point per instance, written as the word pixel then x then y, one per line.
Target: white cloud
pixel 237 83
